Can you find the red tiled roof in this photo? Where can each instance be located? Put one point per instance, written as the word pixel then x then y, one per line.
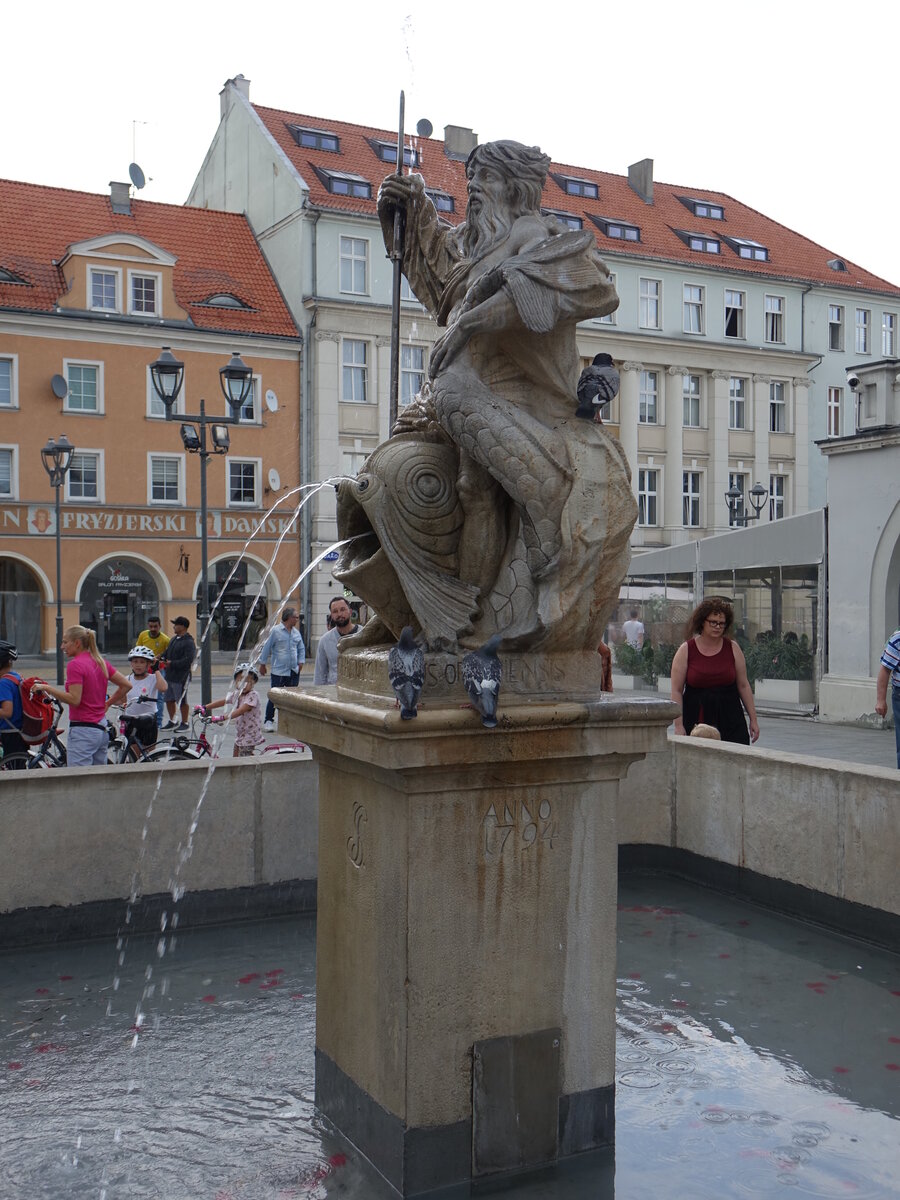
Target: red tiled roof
pixel 215 252
pixel 791 256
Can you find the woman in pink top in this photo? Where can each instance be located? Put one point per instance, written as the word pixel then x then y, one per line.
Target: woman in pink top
pixel 87 678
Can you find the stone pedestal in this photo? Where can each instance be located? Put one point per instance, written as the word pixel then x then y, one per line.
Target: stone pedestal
pixel 466 927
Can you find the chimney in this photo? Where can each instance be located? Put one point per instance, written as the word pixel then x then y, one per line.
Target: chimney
pixel 240 84
pixel 640 179
pixel 459 142
pixel 120 197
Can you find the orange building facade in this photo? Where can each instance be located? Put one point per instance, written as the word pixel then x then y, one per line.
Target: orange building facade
pixel 91 288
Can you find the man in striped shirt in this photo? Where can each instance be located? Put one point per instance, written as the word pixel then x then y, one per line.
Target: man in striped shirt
pixel 889 672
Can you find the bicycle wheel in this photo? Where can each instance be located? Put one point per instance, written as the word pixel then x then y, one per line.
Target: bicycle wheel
pixel 14 762
pixel 170 753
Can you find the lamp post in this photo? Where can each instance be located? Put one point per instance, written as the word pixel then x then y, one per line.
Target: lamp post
pixel 57 458
pixel 236 380
pixel 734 498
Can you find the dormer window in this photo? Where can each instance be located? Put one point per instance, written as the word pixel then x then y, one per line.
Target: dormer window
pixel 621 230
pixel 565 218
pixel 143 294
pixel 223 300
pixel 9 277
pixel 746 248
pixel 442 201
pixel 837 264
pixel 577 187
pixel 700 243
pixel 387 152
pixel 339 183
pixel 703 208
pixel 103 290
pixel 315 139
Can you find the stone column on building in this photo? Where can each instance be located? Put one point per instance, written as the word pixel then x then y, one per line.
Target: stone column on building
pixel 717 471
pixel 327 386
pixel 761 431
pixel 629 388
pixel 673 512
pixel 800 410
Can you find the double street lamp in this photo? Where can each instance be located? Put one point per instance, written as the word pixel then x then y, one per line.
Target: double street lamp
pixel 734 498
pixel 57 458
pixel 236 381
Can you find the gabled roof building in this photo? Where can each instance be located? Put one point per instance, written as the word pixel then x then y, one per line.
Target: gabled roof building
pixel 91 288
pixel 731 337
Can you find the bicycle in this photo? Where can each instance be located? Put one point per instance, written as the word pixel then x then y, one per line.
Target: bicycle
pixel 51 752
pixel 198 746
pixel 124 746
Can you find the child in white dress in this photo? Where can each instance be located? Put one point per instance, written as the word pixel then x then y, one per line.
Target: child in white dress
pixel 243 707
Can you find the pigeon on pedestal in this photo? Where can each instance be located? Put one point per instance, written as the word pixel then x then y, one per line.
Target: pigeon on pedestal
pixel 597 386
pixel 482 672
pixel 406 668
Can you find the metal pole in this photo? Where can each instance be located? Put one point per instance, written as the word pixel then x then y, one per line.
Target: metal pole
pixel 397 259
pixel 59 616
pixel 205 649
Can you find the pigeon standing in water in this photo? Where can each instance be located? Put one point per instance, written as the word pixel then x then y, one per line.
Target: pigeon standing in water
pixel 406 668
pixel 597 385
pixel 481 673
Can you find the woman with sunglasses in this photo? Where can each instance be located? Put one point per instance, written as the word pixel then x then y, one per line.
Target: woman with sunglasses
pixel 709 676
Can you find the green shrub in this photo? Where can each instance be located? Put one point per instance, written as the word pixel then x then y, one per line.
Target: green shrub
pixel 662 658
pixel 772 657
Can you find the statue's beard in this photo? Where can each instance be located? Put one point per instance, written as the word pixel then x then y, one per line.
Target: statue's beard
pixel 485 226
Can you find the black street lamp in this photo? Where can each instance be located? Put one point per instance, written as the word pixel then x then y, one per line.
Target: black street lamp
pixel 734 498
pixel 236 380
pixel 57 458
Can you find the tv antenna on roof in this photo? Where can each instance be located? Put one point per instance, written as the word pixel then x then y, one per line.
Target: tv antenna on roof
pixel 136 175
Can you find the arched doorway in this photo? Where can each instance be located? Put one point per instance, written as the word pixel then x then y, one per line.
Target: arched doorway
pixel 243 594
pixel 116 598
pixel 20 606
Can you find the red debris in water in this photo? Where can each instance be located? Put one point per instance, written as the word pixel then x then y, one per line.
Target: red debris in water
pixel 895 993
pixel 892 1066
pixel 895 1040
pixel 16 1066
pixel 679 1003
pixel 635 975
pixel 263 987
pixel 841 1070
pixel 693 935
pixel 46 1047
pixel 249 978
pixel 42 991
pixel 296 995
pixel 338 1160
pixel 744 922
pixel 667 1027
pixel 277 971
pixel 724 955
pixel 208 999
pixel 647 933
pixel 817 985
pixel 65 978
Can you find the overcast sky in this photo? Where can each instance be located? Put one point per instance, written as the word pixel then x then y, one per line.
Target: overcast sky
pixel 792 108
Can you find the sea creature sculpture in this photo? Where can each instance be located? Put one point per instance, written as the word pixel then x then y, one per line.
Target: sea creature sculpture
pixel 482 673
pixel 406 668
pixel 597 386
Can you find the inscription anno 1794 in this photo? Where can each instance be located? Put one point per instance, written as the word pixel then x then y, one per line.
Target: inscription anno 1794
pixel 517 828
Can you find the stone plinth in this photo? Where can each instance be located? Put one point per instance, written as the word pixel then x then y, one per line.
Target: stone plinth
pixel 467 892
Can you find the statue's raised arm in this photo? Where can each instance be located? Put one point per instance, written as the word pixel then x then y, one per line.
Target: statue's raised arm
pixel 532 538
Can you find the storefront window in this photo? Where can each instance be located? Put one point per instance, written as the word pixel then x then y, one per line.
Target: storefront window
pixel 20 607
pixel 116 599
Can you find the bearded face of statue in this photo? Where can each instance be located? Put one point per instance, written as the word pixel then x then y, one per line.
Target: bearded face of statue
pixel 488 213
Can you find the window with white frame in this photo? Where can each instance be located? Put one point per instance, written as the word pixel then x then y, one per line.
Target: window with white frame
pixel 8 381
pixel 774 308
pixel 691 395
pixel 8 480
pixel 777 407
pixel 648 490
pixel 406 292
pixel 776 497
pixel 84 478
pixel 104 290
pixel 165 473
pixel 355 265
pixel 862 330
pixel 690 499
pixel 355 371
pixel 888 335
pixel 650 303
pixel 85 384
pixel 352 461
pixel 412 371
pixel 251 413
pixel 836 327
pixel 737 402
pixel 648 399
pixel 734 313
pixel 834 413
pixel 143 294
pixel 242 476
pixel 693 308
pixel 737 479
pixel 610 317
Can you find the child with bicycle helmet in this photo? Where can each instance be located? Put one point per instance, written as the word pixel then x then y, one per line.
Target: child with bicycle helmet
pixel 241 706
pixel 147 686
pixel 10 702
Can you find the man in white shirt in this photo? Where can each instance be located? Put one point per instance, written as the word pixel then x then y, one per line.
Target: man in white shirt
pixel 327 653
pixel 634 630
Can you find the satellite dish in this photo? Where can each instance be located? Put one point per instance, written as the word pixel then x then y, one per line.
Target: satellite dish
pixel 274 480
pixel 136 175
pixel 424 128
pixel 271 401
pixel 60 387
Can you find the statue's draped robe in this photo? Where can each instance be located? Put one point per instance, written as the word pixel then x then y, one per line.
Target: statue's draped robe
pixel 508 402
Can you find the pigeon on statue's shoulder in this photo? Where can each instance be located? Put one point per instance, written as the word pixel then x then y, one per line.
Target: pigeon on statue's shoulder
pixel 597 386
